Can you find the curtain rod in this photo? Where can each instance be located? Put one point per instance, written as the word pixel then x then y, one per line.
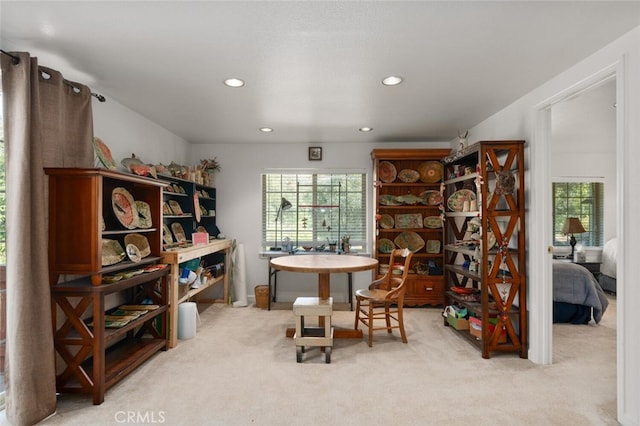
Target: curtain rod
pixel 16 61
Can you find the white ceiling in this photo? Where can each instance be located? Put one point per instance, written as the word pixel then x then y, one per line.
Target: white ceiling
pixel 313 69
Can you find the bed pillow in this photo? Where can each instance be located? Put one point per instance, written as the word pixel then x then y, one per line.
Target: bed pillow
pixel 609 257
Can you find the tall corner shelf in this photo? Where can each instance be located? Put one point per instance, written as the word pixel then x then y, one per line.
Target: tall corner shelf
pixel 197 211
pixel 409 209
pixel 494 172
pixel 197 205
pixel 91 356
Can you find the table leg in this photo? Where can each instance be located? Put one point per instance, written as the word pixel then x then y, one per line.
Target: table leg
pixel 324 291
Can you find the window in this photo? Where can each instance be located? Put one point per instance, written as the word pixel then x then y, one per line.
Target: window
pixel 583 200
pixel 324 208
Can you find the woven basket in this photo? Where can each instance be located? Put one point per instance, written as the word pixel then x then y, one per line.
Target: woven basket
pixel 262 296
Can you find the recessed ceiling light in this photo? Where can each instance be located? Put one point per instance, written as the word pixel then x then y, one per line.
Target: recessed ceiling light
pixel 266 129
pixel 392 80
pixel 234 82
pixel 366 129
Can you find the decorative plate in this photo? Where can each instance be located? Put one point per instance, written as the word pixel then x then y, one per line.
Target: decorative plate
pixel 385 245
pixel 133 253
pixel 411 220
pixel 457 199
pixel 386 221
pixel 104 154
pixel 196 207
pixel 112 252
pixel 136 166
pixel 491 240
pixel 175 208
pixel 108 279
pixel 178 232
pixel 431 198
pixel 433 222
pixel 433 246
pixel 409 240
pixel 166 210
pixel 387 172
pixel 140 241
pixel 144 214
pixel 167 237
pixel 409 199
pixel 430 171
pixel 408 176
pixel 389 200
pixel 124 208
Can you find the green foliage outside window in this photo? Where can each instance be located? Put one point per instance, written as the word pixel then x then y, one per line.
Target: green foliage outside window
pixel 584 200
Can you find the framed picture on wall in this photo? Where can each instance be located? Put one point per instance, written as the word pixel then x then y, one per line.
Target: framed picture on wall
pixel 315 153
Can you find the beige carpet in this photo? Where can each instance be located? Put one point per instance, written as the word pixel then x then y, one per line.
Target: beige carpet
pixel 240 369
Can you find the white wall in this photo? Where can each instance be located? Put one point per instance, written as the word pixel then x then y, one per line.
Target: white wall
pixel 521 121
pixel 239 200
pixel 126 132
pixel 583 144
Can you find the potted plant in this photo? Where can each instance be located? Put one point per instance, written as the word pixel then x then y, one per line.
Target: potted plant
pixel 209 167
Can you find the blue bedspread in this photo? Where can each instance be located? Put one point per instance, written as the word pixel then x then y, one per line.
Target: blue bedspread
pixel 573 283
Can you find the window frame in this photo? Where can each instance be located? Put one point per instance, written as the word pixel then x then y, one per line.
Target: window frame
pixel 593 221
pixel 319 182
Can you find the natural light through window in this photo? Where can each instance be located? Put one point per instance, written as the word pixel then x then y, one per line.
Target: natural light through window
pixel 582 200
pixel 313 210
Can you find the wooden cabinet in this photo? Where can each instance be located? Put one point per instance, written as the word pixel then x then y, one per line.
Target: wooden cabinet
pixel 90 356
pixel 485 269
pixel 408 207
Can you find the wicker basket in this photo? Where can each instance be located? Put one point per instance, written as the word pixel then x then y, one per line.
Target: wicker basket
pixel 262 296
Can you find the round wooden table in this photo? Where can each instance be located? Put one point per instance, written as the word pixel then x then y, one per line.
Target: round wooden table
pixel 324 265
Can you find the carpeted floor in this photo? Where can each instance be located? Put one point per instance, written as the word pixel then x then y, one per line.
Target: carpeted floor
pixel 240 369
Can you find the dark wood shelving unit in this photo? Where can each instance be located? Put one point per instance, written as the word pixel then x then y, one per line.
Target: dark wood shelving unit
pixel 422 289
pixel 494 171
pixel 92 358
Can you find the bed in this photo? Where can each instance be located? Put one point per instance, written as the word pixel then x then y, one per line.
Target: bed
pixel 577 295
pixel 608 266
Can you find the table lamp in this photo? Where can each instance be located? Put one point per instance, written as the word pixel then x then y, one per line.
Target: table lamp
pixel 572 225
pixel 284 205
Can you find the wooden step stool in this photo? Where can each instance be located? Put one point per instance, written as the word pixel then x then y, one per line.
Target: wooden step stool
pixel 313 336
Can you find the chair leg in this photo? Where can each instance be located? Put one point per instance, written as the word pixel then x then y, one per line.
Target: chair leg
pixel 387 317
pixel 370 321
pixel 401 324
pixel 356 325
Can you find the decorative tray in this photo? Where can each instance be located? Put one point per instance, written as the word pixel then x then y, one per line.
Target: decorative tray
pixel 387 172
pixel 410 240
pixel 112 252
pixel 124 208
pixel 144 214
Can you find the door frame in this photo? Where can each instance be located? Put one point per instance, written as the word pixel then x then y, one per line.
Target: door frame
pixel 540 261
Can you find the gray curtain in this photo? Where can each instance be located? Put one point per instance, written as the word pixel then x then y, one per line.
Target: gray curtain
pixel 47 123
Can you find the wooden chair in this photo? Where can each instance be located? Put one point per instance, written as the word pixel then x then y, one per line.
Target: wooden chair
pixel 384 298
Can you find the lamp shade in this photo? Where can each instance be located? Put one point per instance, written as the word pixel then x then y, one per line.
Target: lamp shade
pixel 285 204
pixel 572 225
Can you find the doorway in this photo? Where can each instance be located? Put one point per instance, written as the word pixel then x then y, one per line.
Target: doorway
pixel 542 153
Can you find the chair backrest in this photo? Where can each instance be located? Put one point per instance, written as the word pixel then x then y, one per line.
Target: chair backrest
pixel 400 261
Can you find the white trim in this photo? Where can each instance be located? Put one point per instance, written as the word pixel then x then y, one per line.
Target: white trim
pixel 541 196
pixel 624 164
